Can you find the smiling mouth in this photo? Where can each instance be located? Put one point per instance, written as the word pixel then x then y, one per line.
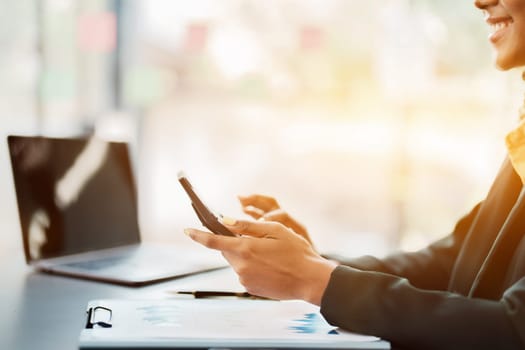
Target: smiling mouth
pixel 498 26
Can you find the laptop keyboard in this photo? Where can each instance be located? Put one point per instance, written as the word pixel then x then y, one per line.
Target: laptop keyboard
pixel 150 261
pixel 99 264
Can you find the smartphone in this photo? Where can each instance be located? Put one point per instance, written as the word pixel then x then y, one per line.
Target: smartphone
pixel 205 215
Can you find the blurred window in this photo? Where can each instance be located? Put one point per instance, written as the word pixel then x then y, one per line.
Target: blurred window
pixel 376 123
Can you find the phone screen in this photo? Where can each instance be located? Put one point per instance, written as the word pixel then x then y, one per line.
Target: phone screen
pixel 205 215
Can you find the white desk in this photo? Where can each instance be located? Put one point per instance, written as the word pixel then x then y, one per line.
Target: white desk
pixel 43 312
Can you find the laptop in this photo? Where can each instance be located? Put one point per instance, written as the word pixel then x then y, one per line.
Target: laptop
pixel 77 206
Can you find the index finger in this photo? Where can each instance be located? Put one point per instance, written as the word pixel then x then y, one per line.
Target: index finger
pixel 213 241
pixel 259 229
pixel 265 203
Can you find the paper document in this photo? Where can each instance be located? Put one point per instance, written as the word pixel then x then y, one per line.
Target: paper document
pixel 219 323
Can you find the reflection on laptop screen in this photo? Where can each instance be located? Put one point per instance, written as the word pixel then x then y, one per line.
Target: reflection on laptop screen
pixel 74 195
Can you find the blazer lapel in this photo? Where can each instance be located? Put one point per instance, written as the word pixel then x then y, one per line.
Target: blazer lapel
pixel 489 280
pixel 485 230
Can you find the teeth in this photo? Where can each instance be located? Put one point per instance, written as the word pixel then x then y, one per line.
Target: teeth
pixel 500 25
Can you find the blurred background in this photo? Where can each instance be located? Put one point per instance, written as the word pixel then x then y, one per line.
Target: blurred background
pixel 376 123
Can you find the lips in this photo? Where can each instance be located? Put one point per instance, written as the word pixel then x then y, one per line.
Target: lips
pixel 499 26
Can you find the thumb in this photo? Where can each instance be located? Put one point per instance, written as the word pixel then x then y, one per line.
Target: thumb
pixel 259 229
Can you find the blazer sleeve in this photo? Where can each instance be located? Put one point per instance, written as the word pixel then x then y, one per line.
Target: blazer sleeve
pixel 429 268
pixel 390 307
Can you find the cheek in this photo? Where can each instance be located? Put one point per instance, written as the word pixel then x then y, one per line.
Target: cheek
pixel 518 41
pixel 513 6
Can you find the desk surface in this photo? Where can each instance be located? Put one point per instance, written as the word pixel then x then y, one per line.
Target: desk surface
pixel 42 311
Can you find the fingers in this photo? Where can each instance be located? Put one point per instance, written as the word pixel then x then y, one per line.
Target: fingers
pixel 254 212
pixel 259 201
pixel 284 218
pixel 259 229
pixel 278 215
pixel 213 241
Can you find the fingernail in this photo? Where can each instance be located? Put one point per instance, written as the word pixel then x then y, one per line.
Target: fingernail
pixel 228 221
pixel 187 232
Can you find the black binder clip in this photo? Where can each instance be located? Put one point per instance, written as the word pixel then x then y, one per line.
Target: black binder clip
pixel 93 313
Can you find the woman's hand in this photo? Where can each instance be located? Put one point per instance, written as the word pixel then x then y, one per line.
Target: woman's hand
pixel 261 207
pixel 271 260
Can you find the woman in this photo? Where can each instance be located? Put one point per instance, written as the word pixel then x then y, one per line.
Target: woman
pixel 466 291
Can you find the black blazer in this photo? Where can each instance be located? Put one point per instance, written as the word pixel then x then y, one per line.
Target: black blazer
pixel 466 291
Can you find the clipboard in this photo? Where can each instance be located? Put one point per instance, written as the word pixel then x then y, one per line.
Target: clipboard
pixel 214 323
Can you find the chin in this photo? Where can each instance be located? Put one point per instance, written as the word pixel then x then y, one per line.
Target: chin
pixel 507 62
pixel 503 63
pixel 503 67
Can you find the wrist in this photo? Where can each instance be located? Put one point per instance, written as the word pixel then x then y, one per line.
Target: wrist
pixel 317 280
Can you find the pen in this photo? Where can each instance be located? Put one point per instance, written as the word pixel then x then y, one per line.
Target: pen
pixel 201 294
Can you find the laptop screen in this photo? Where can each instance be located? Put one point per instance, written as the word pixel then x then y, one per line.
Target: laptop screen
pixel 74 195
